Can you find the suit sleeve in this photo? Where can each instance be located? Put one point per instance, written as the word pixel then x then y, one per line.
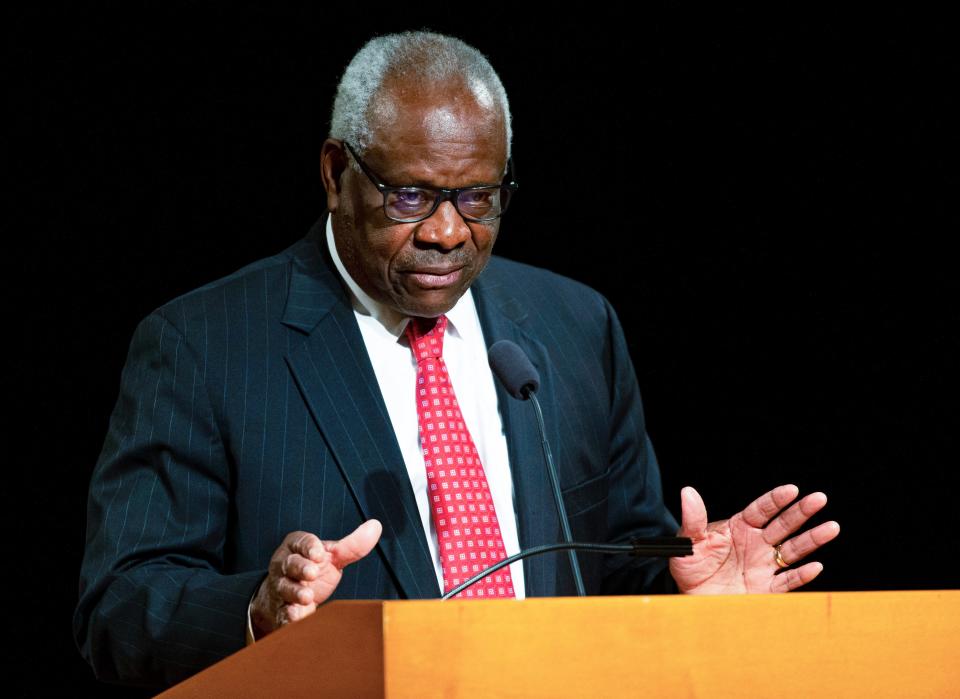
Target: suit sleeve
pixel 155 604
pixel 635 507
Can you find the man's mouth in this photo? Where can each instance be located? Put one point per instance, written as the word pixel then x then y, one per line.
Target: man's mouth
pixel 435 277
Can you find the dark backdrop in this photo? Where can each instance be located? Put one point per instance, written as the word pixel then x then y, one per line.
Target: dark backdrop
pixel 768 201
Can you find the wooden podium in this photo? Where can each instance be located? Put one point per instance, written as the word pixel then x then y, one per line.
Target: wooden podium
pixel 846 644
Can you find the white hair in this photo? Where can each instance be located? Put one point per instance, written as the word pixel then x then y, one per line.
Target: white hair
pixel 426 58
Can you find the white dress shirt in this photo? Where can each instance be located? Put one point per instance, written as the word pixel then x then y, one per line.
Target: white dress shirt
pixel 465 354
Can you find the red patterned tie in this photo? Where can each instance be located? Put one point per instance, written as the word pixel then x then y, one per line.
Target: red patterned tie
pixel 467 528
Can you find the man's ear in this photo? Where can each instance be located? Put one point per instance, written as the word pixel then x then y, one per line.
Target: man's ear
pixel 333 162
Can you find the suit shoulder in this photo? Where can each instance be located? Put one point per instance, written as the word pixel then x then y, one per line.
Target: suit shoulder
pixel 529 284
pixel 261 285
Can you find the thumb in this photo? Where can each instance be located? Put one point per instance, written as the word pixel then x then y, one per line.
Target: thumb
pixel 693 514
pixel 355 545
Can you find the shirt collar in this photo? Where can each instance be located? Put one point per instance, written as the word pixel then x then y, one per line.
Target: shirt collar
pixel 462 318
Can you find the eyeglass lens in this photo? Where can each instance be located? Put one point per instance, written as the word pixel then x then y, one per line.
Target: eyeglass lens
pixel 480 203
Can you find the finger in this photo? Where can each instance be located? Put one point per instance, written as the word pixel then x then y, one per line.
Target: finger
pixel 296 612
pixel 355 545
pixel 693 514
pixel 306 544
pixel 296 567
pixel 794 517
pixel 291 592
pixel 286 614
pixel 802 545
pixel 761 510
pixel 795 577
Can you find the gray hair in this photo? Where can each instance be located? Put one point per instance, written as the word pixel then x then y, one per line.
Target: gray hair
pixel 425 57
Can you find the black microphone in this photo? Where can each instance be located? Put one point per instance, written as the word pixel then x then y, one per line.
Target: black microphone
pixel 512 366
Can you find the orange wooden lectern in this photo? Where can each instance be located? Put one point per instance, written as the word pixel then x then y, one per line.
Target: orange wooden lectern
pixel 841 644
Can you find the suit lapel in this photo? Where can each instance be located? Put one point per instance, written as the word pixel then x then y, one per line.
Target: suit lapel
pixel 503 318
pixel 340 389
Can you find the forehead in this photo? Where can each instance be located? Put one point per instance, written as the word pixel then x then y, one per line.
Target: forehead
pixel 448 137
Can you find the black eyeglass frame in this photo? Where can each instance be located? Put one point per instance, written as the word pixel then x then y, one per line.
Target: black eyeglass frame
pixel 443 194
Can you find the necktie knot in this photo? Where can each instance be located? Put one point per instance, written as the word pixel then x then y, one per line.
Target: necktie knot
pixel 426 337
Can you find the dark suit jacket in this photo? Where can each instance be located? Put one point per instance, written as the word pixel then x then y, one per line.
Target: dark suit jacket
pixel 249 408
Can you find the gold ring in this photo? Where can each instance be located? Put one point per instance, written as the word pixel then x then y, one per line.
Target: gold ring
pixel 778 558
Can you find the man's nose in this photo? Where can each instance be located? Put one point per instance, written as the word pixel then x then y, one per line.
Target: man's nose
pixel 445 227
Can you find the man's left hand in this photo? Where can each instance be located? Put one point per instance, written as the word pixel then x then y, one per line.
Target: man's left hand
pixel 738 555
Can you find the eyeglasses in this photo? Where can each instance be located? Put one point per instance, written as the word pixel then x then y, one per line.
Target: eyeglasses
pixel 411 204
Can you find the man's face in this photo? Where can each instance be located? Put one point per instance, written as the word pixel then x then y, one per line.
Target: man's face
pixel 423 268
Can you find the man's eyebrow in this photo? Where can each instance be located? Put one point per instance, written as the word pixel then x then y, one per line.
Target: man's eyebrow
pixel 420 182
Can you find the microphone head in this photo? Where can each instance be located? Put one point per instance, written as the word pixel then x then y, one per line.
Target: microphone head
pixel 514 369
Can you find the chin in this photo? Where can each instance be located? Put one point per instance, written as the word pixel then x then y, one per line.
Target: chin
pixel 431 308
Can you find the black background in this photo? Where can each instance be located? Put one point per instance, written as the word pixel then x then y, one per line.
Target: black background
pixel 769 201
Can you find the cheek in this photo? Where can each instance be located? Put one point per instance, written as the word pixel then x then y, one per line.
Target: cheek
pixel 484 237
pixel 388 250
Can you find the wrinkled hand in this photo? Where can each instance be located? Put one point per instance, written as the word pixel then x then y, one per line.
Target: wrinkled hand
pixel 736 555
pixel 304 571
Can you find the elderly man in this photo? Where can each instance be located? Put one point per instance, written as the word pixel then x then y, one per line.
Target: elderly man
pixel 323 424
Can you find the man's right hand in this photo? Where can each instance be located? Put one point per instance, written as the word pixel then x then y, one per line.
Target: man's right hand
pixel 304 571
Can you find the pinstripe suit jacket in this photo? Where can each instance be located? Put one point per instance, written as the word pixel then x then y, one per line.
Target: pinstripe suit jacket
pixel 249 408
